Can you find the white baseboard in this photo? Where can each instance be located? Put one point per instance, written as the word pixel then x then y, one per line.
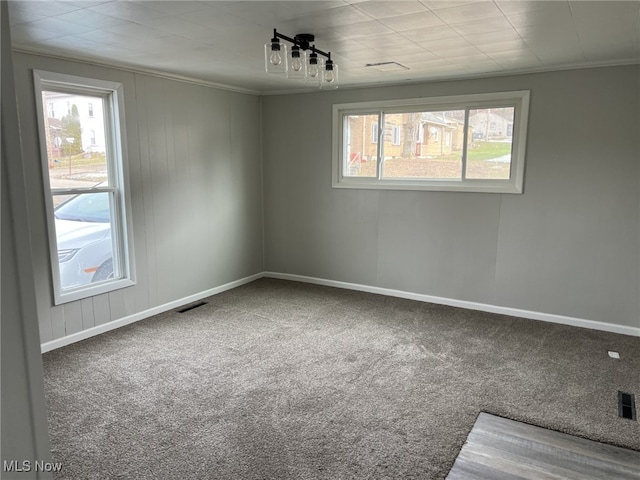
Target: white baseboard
pixel 91 332
pixel 514 312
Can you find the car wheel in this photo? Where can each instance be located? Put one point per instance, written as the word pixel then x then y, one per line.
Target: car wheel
pixel 104 272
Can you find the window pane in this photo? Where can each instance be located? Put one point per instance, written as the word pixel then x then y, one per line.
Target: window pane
pixel 489 146
pixel 83 237
pixel 361 142
pixel 423 144
pixel 75 134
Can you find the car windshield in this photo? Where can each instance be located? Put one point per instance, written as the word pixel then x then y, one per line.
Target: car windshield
pixel 86 207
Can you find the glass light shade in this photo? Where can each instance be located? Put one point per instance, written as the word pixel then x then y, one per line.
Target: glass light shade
pixel 315 70
pixel 329 78
pixel 276 61
pixel 297 63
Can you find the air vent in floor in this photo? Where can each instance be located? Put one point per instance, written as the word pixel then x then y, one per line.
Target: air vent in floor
pixel 191 306
pixel 626 405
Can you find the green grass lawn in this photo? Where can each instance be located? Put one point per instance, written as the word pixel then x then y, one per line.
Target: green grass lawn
pixel 447 166
pixel 487 150
pixel 82 160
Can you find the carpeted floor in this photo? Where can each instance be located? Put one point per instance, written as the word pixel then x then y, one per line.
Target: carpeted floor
pixel 284 380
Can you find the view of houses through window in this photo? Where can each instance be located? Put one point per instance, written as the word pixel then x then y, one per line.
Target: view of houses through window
pixel 431 144
pixel 83 166
pixel 76 141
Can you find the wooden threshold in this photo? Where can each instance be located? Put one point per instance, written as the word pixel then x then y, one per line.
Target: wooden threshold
pixel 500 449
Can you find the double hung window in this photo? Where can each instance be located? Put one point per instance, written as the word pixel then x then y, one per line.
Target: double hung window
pixel 83 159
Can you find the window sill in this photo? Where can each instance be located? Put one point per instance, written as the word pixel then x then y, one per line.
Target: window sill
pixel 484 186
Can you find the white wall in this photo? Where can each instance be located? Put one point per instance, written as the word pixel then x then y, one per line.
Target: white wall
pixel 196 193
pixel 568 246
pixel 23 415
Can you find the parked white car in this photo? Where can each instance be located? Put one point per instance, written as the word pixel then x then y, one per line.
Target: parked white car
pixel 83 231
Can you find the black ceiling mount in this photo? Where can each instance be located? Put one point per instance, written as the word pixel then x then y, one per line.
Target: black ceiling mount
pixel 302 40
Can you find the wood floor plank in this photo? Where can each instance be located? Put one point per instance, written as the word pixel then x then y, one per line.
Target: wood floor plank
pixel 498 448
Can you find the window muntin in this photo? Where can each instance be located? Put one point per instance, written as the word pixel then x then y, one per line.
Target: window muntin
pixel 85 184
pixel 463 143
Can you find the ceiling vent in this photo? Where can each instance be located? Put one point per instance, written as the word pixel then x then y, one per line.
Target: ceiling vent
pixel 387 66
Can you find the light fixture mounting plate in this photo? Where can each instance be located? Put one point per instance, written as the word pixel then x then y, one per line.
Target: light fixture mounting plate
pixel 304 40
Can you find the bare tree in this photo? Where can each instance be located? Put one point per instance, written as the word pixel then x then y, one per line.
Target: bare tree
pixel 410 134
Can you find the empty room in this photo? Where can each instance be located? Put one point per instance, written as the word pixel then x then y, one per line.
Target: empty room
pixel 342 239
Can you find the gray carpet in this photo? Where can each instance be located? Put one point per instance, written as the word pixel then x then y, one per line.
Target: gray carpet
pixel 283 380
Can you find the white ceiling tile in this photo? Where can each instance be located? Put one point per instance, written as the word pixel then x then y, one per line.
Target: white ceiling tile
pixel 405 51
pixel 24 17
pixel 45 9
pixel 488 25
pixel 86 3
pixel 174 7
pixel 23 34
pixel 509 45
pixel 363 29
pixel 416 57
pixel 89 18
pixel 425 64
pixel 551 15
pixel 222 41
pixel 69 44
pixel 391 9
pixel 448 52
pixel 466 13
pixel 518 63
pixel 600 11
pixel 430 33
pixel 469 59
pixel 522 54
pixel 413 21
pixel 608 37
pixel 497 36
pixel 334 17
pixel 177 26
pixel 137 34
pixel 437 4
pixel 610 28
pixel 131 11
pixel 383 42
pixel 59 26
pixel 452 42
pixel 106 38
pixel 512 7
pixel 258 11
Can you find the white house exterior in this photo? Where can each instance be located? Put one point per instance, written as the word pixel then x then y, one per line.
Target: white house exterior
pixel 91 113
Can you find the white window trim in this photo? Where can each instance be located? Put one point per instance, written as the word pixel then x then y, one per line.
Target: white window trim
pixel 518 99
pixel 119 176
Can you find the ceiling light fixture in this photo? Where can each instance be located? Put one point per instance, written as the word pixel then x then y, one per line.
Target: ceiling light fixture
pixel 296 63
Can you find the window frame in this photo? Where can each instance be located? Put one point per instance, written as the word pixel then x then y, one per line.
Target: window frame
pixel 517 99
pixel 117 188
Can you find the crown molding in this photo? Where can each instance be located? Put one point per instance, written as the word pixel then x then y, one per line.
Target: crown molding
pixel 136 69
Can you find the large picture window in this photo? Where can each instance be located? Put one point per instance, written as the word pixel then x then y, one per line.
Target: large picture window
pixel 83 159
pixel 461 143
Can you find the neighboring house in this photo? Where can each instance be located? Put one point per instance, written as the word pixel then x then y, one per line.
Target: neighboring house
pixel 91 117
pixel 492 125
pixel 436 134
pixel 440 134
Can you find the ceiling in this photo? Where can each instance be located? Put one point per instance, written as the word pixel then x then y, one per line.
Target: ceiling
pixel 222 42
